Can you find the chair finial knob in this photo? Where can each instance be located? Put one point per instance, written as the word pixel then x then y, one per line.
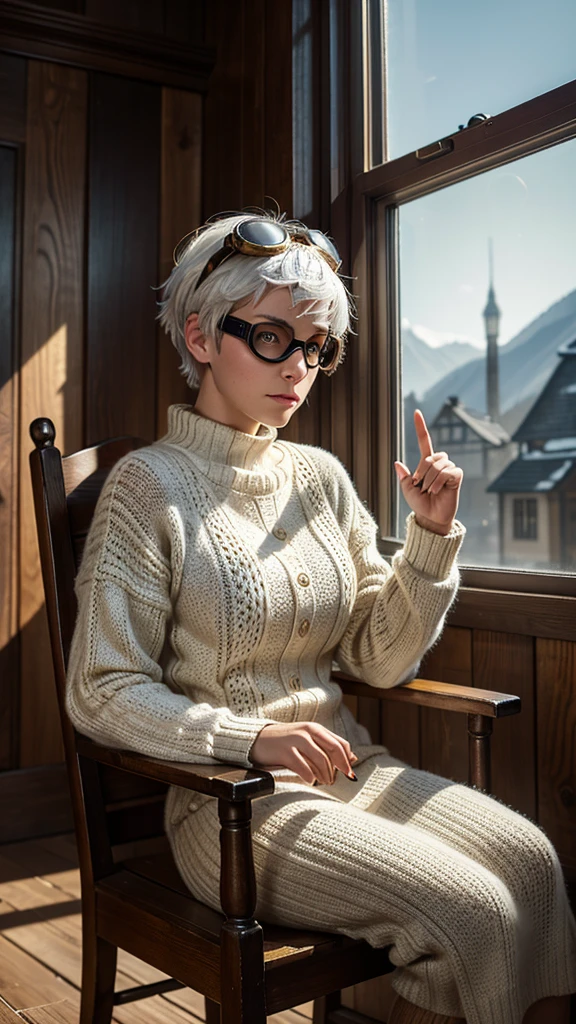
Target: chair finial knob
pixel 43 432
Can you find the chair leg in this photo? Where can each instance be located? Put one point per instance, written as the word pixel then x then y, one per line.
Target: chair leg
pixel 324 1005
pixel 404 1012
pixel 98 977
pixel 212 1013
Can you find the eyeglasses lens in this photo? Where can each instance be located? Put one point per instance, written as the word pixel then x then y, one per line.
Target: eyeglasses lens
pixel 272 341
pixel 259 232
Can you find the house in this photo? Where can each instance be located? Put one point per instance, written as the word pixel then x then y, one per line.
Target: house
pixel 482 448
pixel 537 491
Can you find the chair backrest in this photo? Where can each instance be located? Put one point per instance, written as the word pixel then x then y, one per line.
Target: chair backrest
pixel 112 809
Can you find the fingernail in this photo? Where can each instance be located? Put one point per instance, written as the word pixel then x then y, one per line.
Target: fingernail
pixel 353 776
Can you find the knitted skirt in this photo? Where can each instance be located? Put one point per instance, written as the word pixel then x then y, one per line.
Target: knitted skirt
pixel 468 894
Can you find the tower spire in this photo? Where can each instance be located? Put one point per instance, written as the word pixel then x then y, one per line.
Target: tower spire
pixel 491 316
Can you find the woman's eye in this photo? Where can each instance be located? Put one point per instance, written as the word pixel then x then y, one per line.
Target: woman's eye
pixel 268 336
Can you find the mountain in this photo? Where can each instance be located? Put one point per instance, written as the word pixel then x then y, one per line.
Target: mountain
pixel 423 363
pixel 526 363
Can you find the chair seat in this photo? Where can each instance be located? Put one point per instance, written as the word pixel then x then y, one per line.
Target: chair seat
pixel 280 943
pixel 146 908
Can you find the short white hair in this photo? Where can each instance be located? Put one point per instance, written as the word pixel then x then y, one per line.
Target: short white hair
pixel 242 278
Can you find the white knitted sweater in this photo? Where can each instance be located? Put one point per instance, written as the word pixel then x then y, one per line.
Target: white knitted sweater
pixel 223 575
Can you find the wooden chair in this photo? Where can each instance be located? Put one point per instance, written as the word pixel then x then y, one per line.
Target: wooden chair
pixel 244 970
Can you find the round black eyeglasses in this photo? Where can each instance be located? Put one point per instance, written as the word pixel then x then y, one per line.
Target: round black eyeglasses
pixel 275 342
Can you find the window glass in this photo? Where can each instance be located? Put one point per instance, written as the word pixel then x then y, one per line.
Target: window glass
pixel 488 333
pixel 447 61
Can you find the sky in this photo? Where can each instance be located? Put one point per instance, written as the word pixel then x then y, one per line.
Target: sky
pixel 448 60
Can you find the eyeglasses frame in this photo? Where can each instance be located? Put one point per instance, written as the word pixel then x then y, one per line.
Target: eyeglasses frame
pixel 244 330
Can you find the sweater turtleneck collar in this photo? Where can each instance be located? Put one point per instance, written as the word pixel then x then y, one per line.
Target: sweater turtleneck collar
pixel 252 463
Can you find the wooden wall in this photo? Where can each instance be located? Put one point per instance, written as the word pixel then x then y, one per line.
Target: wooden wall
pixel 100 174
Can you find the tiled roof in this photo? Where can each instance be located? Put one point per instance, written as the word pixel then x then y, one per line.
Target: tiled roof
pixel 554 411
pixel 540 473
pixel 494 433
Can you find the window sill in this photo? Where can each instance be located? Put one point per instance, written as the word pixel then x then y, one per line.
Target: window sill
pixel 510 600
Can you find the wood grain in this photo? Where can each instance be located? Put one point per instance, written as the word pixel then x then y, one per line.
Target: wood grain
pixel 34 802
pixel 223 184
pixel 502 660
pixel 510 612
pixel 7 1016
pixel 122 258
pixel 52 357
pixel 277 147
pixel 112 46
pixel 144 15
pixel 9 639
pixel 556 702
pixel 12 98
pixel 255 102
pixel 180 211
pixel 443 735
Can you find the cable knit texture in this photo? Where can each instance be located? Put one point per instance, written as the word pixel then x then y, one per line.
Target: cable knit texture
pixel 224 576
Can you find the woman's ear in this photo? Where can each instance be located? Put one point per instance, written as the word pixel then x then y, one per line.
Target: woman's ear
pixel 195 340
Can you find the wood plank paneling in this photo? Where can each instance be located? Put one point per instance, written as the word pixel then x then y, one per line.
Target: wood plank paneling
pixel 444 734
pixel 13 131
pixel 255 142
pixel 34 802
pixel 223 168
pixel 278 102
pixel 140 15
pixel 556 702
pixel 523 614
pixel 12 98
pixel 51 374
pixel 180 211
pixel 400 731
pixel 124 182
pixel 505 662
pixel 9 639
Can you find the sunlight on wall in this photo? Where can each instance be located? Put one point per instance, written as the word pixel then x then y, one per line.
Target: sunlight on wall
pixel 43 393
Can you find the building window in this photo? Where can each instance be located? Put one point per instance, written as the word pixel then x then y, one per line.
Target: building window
pixel 525 519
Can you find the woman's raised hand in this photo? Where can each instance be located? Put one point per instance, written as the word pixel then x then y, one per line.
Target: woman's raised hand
pixel 432 492
pixel 306 748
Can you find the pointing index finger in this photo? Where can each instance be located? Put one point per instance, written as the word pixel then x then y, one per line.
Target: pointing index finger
pixel 424 439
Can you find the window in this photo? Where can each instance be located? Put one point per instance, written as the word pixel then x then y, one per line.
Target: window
pixel 465 268
pixel 448 60
pixel 484 338
pixel 525 519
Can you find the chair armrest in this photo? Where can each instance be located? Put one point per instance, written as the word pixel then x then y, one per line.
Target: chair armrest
pixel 232 783
pixel 433 694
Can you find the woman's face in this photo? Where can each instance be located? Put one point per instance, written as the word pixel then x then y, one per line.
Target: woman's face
pixel 236 385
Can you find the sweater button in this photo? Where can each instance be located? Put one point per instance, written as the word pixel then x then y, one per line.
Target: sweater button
pixel 303 579
pixel 280 533
pixel 294 682
pixel 304 627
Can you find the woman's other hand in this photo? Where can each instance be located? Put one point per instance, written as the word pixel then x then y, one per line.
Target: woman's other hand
pixel 306 748
pixel 433 491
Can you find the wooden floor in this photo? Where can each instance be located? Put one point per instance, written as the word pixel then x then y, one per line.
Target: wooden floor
pixel 41 947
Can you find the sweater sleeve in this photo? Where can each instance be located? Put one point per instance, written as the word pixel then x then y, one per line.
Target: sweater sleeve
pixel 115 692
pixel 400 609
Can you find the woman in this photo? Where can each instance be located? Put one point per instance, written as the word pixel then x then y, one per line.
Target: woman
pixel 226 570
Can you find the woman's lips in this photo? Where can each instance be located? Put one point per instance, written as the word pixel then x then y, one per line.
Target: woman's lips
pixel 285 401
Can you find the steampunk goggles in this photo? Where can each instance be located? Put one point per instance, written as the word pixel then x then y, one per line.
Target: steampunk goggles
pixel 259 237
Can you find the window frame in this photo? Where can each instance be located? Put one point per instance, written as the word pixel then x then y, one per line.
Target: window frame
pixel 377 195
